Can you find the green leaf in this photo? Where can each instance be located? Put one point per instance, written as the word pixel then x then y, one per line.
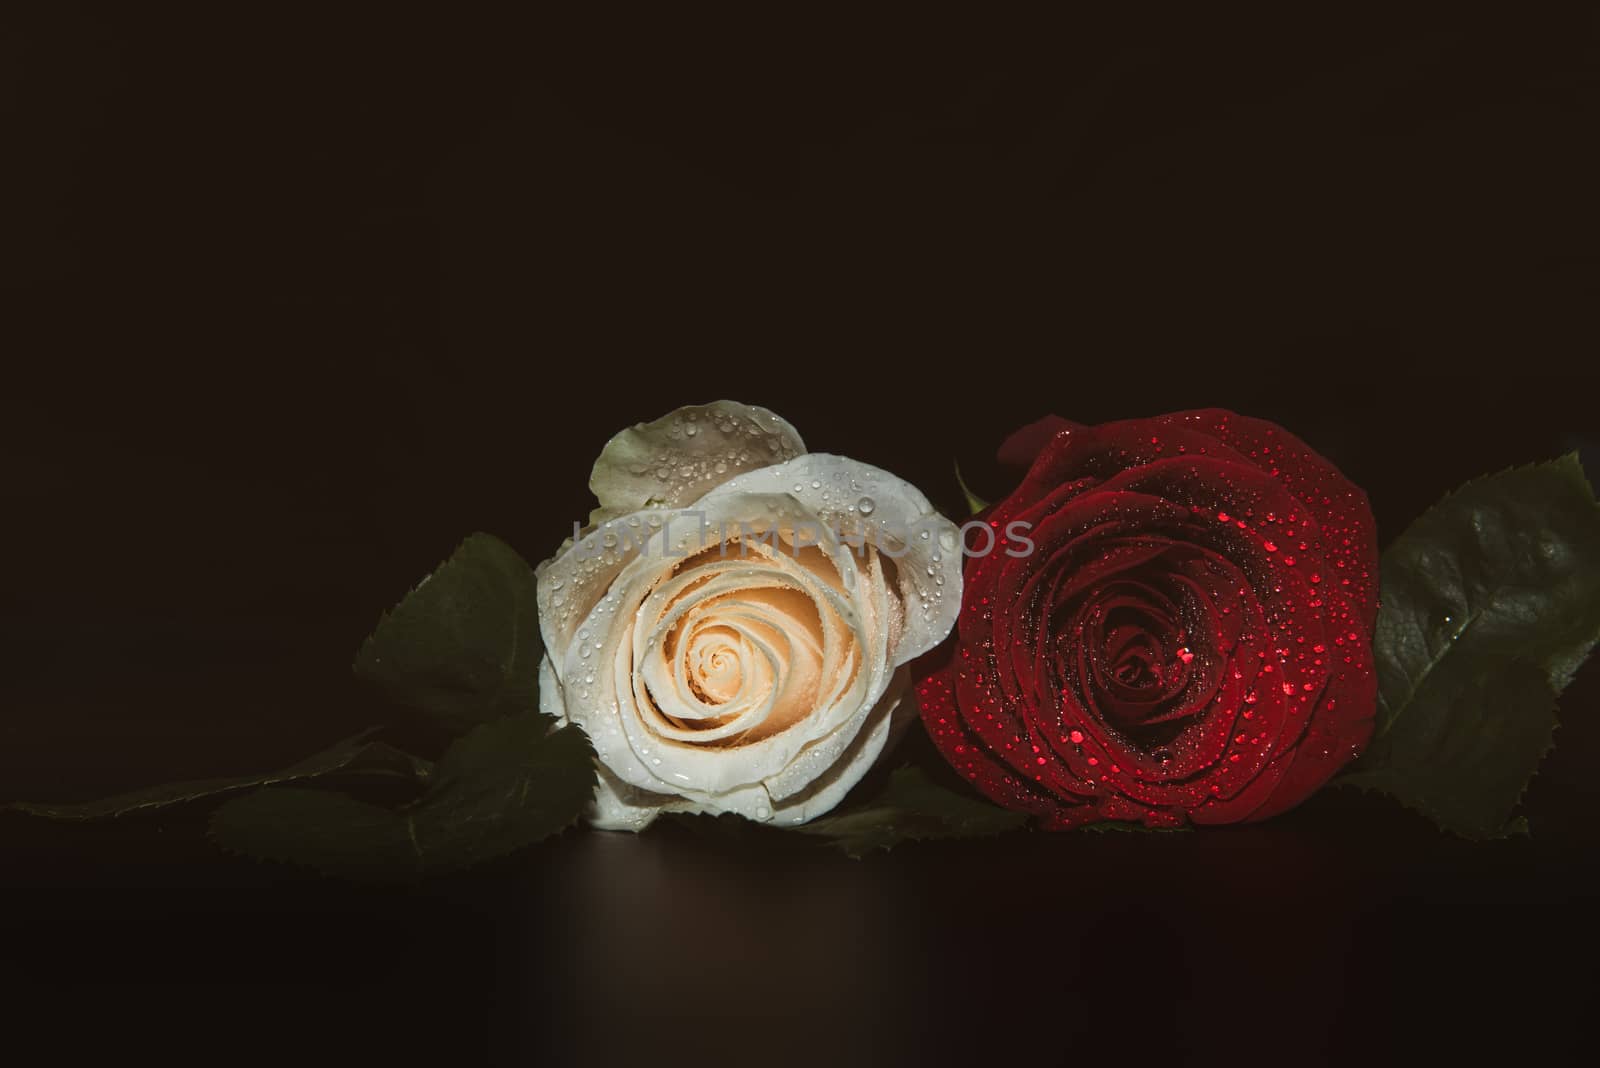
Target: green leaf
pixel 501 787
pixel 1491 601
pixel 332 832
pixel 911 807
pixel 352 757
pixel 463 647
pixel 504 786
pixel 975 503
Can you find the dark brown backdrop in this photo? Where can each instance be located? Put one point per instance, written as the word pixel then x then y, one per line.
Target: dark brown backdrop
pixel 294 301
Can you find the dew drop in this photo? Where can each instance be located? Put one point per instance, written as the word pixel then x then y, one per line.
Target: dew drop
pixel 867 505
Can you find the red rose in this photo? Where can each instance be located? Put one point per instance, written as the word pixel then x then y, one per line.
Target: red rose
pixel 1189 638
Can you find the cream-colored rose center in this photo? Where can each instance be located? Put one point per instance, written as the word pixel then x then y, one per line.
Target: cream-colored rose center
pixel 716 667
pixel 746 646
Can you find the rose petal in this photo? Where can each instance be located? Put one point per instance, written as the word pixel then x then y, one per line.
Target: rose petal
pixel 617 806
pixel 580 575
pixel 1023 445
pixel 1340 507
pixel 952 735
pixel 675 460
pixel 552 702
pixel 826 771
pixel 921 545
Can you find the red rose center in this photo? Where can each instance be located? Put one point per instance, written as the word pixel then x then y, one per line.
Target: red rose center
pixel 1128 652
pixel 1136 670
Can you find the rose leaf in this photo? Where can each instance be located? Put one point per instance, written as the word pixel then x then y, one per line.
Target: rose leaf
pixel 463 647
pixel 1490 602
pixel 500 787
pixel 911 807
pixel 354 757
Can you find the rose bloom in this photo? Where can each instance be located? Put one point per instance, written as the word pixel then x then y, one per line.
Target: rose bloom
pixel 732 628
pixel 1190 640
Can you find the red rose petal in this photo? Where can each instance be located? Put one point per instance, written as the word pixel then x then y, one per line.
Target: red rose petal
pixel 1340 508
pixel 1023 445
pixel 936 701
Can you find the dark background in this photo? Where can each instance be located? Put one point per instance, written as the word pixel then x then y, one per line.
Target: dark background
pixel 292 301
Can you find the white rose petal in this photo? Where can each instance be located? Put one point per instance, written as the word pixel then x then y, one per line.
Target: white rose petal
pixel 551 701
pixel 676 459
pixel 833 489
pixel 845 763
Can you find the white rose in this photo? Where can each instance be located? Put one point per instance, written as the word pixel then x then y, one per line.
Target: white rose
pixel 732 629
